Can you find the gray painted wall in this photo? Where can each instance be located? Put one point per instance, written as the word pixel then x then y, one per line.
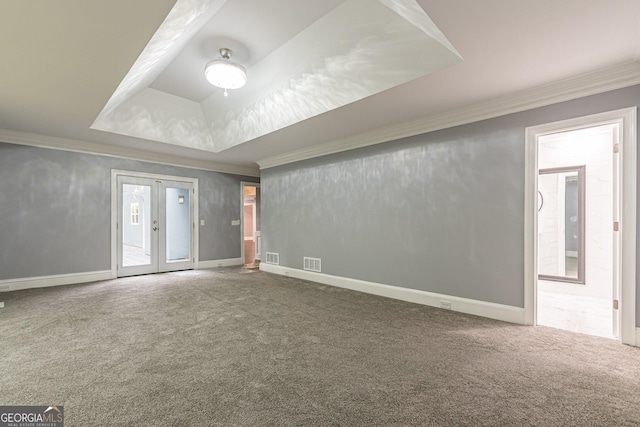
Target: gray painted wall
pixel 55 213
pixel 440 212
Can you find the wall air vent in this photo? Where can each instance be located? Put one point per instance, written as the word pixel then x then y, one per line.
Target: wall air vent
pixel 312 264
pixel 273 258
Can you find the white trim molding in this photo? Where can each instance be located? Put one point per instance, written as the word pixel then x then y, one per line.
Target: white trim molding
pixel 9 285
pixel 626 120
pixel 604 80
pixel 231 262
pixel 637 343
pixel 64 144
pixel 56 280
pixel 463 305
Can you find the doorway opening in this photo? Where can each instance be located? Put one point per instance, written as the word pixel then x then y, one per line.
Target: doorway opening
pixel 154 224
pixel 251 239
pixel 577 276
pixel 580 204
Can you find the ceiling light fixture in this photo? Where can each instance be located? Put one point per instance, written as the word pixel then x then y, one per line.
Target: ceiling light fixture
pixel 225 73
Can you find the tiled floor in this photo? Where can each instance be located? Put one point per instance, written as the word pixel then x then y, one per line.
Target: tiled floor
pixel 585 315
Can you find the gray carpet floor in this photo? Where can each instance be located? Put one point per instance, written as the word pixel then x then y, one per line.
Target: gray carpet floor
pixel 230 347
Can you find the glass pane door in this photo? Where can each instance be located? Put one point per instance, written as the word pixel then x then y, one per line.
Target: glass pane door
pixel 136 239
pixel 136 234
pixel 177 212
pixel 155 225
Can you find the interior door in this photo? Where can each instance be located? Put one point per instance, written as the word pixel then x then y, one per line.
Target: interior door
pixel 617 243
pixel 155 225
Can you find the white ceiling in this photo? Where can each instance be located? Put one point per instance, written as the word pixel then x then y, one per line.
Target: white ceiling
pixel 271 19
pixel 65 62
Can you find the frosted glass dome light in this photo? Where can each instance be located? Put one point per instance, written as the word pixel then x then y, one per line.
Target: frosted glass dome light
pixel 225 73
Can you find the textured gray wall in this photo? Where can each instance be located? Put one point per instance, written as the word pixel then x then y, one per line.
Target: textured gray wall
pixel 440 212
pixel 55 213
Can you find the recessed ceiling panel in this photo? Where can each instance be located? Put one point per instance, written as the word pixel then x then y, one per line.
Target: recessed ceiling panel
pixel 251 29
pixel 355 50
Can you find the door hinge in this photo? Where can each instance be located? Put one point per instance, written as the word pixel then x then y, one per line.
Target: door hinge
pixel 616 226
pixel 615 304
pixel 616 148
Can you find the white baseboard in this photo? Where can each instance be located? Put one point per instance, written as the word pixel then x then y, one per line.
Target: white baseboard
pixel 57 280
pixel 93 276
pixel 231 262
pixel 502 312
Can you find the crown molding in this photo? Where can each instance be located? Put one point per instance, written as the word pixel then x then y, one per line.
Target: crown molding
pixel 604 80
pixel 64 144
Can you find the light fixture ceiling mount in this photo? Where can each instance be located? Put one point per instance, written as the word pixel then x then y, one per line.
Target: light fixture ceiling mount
pixel 225 73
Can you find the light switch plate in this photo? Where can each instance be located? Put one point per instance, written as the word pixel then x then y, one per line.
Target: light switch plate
pixel 202 222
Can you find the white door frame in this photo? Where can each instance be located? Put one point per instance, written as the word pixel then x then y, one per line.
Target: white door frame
pixel 626 119
pixel 114 212
pixel 255 220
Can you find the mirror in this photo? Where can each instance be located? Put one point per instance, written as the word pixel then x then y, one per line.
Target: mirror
pixel 561 193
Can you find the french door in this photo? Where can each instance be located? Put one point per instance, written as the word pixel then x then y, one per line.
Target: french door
pixel 155 228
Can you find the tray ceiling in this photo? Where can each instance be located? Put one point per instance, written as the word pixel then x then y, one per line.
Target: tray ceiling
pixel 330 56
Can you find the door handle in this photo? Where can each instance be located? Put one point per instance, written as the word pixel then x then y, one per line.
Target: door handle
pixel 155 228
